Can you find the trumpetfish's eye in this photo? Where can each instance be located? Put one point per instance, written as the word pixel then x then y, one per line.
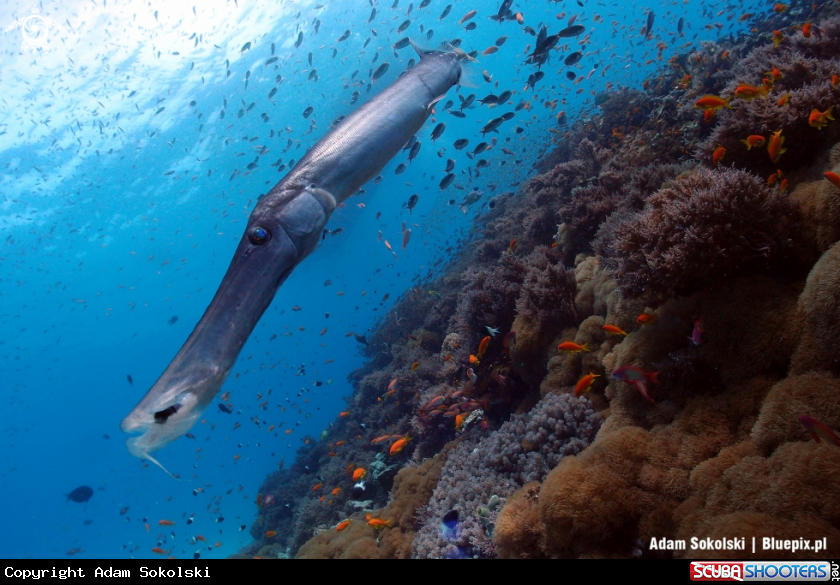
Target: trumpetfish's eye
pixel 259 235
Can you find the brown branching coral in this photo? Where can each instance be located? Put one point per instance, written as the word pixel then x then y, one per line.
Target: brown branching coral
pixel 708 226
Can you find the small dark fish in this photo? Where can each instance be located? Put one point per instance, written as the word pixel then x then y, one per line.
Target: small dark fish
pixel 272 93
pixel 401 44
pixel 429 34
pixel 471 26
pixel 132 93
pixel 87 522
pixel 445 12
pixel 571 31
pixel 130 380
pixel 461 143
pixel 501 41
pixel 345 36
pixel 400 169
pixel 313 75
pixel 173 319
pixel 680 23
pixel 404 26
pixel 272 60
pixel 490 99
pixel 160 110
pixel 505 96
pixel 649 26
pixel 480 148
pixel 360 338
pixel 272 48
pixel 412 202
pixel 458 114
pixel 299 39
pixel 424 3
pixel 310 58
pixel 415 149
pixel 507 116
pixel 411 63
pixel 80 494
pixel 573 58
pixel 438 130
pixel 308 111
pixel 450 164
pixel 224 408
pixel 380 71
pixel 446 181
pixel 245 47
pixel 467 102
pixel 492 126
pixel 571 75
pixel 355 97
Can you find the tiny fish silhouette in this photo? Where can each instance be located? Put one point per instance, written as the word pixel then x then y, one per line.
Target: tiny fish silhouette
pixel 173 319
pixel 130 381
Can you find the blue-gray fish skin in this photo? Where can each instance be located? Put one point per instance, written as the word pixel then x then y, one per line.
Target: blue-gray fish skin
pixel 284 228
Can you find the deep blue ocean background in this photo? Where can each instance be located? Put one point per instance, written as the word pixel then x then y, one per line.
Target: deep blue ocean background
pixel 102 247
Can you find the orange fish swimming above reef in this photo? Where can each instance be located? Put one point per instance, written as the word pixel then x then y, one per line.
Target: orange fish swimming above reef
pixel 614 330
pixel 399 445
pixel 377 522
pixel 756 140
pixel 571 347
pixel 584 385
pixel 359 474
pixel 712 102
pixel 750 92
pixel 774 146
pixel 818 119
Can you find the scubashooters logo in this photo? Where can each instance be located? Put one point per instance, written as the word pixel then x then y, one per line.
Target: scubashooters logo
pixel 760 571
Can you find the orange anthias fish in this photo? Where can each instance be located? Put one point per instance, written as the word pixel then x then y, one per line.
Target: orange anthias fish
pixel 342 525
pixel 774 146
pixel 414 366
pixel 474 360
pixel 718 154
pixel 336 491
pixel 774 74
pixel 459 422
pixel 818 119
pixel 783 100
pixel 806 30
pixel 166 523
pixel 572 347
pixel 271 534
pixel 756 140
pixel 614 330
pixel 778 37
pixel 159 551
pixel 712 102
pixel 645 318
pixel 344 413
pixel 779 8
pixel 819 431
pixel 584 385
pixel 482 347
pixel 317 486
pixel 834 178
pixel 749 92
pixel 359 474
pixel 708 115
pixel 376 522
pixel 399 445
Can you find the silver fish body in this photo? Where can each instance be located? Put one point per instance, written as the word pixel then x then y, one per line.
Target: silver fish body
pixel 284 228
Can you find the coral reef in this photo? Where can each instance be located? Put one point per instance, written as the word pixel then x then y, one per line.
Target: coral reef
pixel 711 225
pixel 483 465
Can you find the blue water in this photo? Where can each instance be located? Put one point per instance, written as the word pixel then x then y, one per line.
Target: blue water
pixel 101 248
